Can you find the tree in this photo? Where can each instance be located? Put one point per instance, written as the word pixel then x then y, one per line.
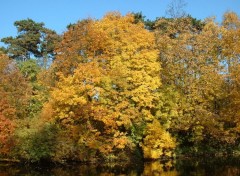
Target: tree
pixel 13 102
pixel 31 71
pixel 108 85
pixel 230 52
pixel 14 89
pixel 33 40
pixel 191 68
pixel 176 9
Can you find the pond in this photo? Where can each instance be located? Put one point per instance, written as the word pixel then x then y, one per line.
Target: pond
pixel 184 167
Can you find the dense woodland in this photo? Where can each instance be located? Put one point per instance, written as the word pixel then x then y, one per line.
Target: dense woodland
pixel 121 88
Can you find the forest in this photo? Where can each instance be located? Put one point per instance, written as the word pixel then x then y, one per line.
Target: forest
pixel 121 88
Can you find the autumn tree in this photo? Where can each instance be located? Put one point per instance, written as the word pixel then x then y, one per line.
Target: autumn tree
pixel 14 86
pixel 14 93
pixel 108 88
pixel 230 58
pixel 191 68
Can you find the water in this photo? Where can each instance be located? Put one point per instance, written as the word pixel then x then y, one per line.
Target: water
pixel 184 167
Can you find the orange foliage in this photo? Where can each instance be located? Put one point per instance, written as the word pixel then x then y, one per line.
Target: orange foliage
pixel 13 88
pixel 7 128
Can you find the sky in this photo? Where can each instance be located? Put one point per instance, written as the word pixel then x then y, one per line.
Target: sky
pixel 57 14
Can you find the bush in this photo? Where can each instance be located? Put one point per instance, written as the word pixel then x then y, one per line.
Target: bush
pixel 35 141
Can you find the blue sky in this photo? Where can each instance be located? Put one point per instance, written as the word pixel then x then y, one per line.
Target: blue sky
pixel 57 14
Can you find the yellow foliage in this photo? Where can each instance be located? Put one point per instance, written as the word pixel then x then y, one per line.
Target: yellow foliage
pixel 108 79
pixel 157 142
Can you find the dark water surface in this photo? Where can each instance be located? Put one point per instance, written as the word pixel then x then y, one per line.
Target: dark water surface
pixel 187 167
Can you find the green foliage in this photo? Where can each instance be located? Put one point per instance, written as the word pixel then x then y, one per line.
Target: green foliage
pixel 3 50
pixel 137 131
pixel 140 18
pixel 29 69
pixel 27 42
pixel 33 40
pixel 35 140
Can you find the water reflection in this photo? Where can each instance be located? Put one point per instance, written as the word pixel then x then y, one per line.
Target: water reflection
pixel 213 167
pixel 209 166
